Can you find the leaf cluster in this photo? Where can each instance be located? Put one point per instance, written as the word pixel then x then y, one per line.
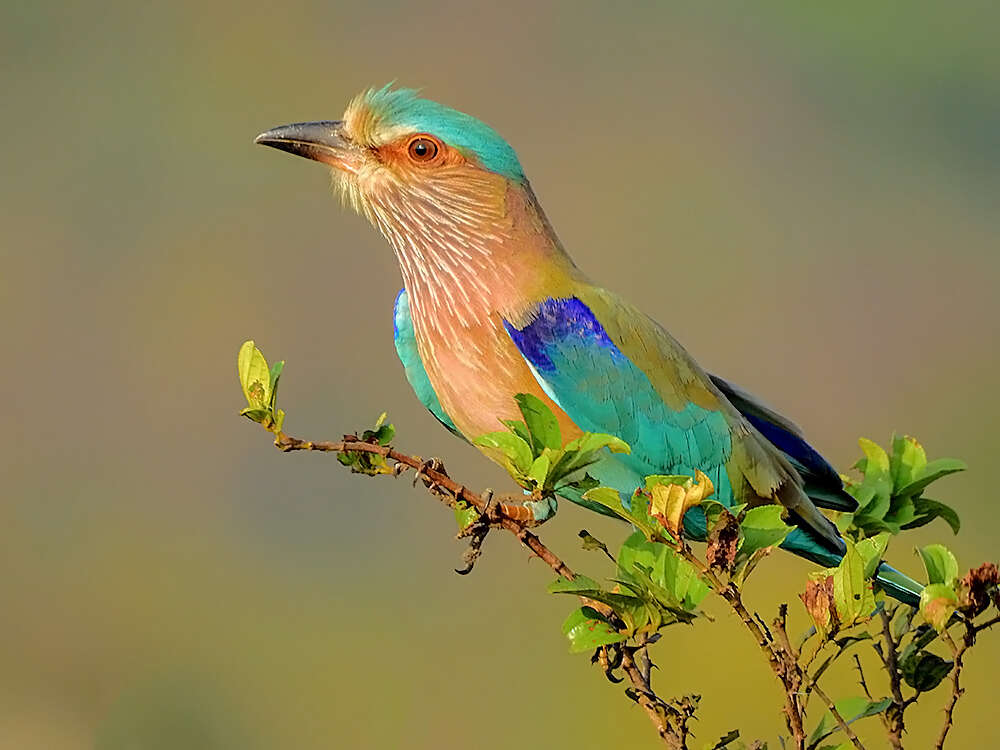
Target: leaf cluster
pixel 532 451
pixel 260 387
pixel 890 491
pixel 659 582
pixel 371 463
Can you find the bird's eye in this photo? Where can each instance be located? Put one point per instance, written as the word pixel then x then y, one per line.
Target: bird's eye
pixel 422 149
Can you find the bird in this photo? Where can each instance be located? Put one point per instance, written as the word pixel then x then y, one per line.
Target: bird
pixel 492 305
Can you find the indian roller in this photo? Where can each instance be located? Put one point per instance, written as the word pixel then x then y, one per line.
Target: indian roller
pixel 492 306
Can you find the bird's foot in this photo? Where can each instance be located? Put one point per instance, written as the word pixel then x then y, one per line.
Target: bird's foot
pixel 542 510
pixel 431 464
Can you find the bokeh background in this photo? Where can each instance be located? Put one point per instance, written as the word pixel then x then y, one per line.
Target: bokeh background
pixel 806 196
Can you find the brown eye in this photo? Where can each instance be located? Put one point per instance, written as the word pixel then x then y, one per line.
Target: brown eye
pixel 422 149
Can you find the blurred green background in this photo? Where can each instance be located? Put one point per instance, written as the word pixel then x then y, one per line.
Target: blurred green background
pixel 806 197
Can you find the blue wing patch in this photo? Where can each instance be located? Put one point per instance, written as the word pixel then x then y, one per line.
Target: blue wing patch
pixel 597 385
pixel 413 366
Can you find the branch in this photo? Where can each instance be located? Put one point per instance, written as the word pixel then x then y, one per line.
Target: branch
pixel 781 656
pixel 509 517
pixel 670 719
pixel 893 717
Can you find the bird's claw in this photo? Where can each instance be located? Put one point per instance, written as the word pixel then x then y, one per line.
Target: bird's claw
pixel 431 464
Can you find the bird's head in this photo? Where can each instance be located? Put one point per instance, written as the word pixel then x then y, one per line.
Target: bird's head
pixel 416 169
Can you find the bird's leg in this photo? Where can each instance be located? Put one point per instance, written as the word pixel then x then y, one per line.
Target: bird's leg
pixel 531 512
pixel 478 531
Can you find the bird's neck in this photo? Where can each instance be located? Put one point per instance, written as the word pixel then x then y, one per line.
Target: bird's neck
pixel 495 263
pixel 463 285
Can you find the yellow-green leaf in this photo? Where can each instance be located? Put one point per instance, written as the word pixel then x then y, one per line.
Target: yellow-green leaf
pixel 508 450
pixel 851 592
pixel 587 629
pixel 940 563
pixel 255 377
pixel 540 469
pixel 541 422
pixel 937 604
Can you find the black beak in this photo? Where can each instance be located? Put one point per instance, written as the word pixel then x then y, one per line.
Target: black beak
pixel 321 141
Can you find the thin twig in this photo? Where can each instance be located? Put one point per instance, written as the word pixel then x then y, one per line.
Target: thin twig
pixel 861 678
pixel 968 639
pixel 654 707
pixel 986 625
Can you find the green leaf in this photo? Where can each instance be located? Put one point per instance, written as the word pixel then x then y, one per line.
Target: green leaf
pixel 578 585
pixel 519 428
pixel 509 450
pixel 851 710
pixel 255 378
pixel 876 487
pixel 902 621
pixel 540 469
pixel 933 471
pixel 591 442
pixel 275 376
pixel 257 414
pixel 591 543
pixel 581 452
pixel 382 433
pixel 541 422
pixel 609 498
pixel 762 527
pixel 940 563
pixel 584 449
pixel 927 510
pixel 901 512
pixel 582 484
pixel 872 550
pixel 465 515
pixel 637 515
pixel 665 568
pixel 630 608
pixel 924 671
pixel 937 604
pixel 852 594
pixel 907 462
pixel 587 629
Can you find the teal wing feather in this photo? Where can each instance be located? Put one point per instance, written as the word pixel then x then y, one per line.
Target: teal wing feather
pixel 602 390
pixel 413 366
pixel 613 370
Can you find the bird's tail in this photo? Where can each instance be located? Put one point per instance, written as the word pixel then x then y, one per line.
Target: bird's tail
pixel 806 543
pixel 898 585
